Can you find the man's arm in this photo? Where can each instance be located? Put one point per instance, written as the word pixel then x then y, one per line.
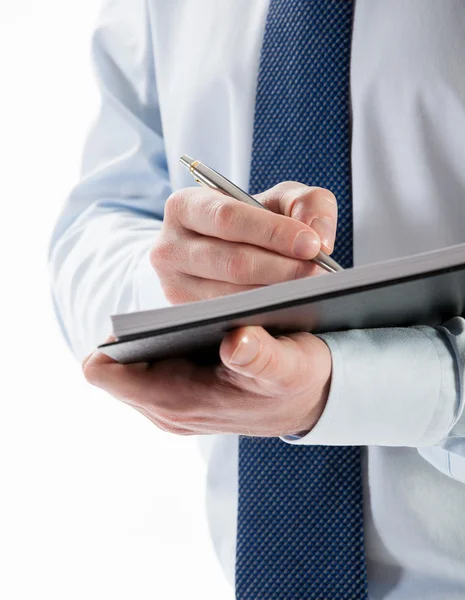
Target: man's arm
pixel 100 265
pixel 99 252
pixel 398 387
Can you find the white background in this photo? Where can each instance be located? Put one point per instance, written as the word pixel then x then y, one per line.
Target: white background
pixel 95 503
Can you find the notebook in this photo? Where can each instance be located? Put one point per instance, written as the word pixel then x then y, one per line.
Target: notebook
pixel 424 289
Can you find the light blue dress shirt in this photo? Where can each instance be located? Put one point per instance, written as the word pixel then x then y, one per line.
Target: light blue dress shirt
pixel 180 77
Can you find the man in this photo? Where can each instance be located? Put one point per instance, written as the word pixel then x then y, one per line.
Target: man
pixel 260 91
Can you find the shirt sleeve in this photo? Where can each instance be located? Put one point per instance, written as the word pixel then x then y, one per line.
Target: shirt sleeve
pixel 397 387
pixel 99 250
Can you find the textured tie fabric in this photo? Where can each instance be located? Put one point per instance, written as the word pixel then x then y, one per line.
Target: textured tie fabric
pixel 300 519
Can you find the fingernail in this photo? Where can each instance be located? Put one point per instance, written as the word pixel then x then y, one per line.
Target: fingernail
pixel 246 351
pixel 325 228
pixel 306 244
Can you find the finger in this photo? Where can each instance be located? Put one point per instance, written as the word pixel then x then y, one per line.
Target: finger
pixel 125 382
pixel 216 215
pixel 164 388
pixel 110 339
pixel 86 360
pixel 282 362
pixel 240 264
pixel 182 288
pixel 314 206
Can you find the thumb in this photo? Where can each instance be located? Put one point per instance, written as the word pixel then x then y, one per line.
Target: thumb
pixel 283 361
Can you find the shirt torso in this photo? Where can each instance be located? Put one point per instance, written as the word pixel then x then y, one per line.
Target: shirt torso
pixel 408 150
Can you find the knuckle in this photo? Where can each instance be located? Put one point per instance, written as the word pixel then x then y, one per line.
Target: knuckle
pixel 176 294
pixel 325 194
pixel 273 234
pixel 301 202
pixel 161 253
pixel 307 208
pixel 273 369
pixel 224 216
pixel 297 201
pixel 287 187
pixel 268 367
pixel 238 265
pixel 281 191
pixel 91 373
pixel 174 204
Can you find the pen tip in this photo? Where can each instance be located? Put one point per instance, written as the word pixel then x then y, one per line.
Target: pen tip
pixel 186 160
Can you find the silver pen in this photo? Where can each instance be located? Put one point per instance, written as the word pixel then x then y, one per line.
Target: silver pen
pixel 213 180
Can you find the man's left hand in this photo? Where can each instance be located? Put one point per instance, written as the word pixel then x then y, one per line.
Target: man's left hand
pixel 263 386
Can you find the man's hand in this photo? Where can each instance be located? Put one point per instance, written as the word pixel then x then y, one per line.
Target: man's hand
pixel 264 386
pixel 211 245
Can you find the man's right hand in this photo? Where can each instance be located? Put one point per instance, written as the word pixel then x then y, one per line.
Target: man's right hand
pixel 211 245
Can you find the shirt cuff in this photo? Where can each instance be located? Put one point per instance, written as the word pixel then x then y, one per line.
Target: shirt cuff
pixel 389 387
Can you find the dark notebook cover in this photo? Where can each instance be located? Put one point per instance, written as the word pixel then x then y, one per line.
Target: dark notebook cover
pixel 425 289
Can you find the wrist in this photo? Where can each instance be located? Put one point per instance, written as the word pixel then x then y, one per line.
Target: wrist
pixel 320 373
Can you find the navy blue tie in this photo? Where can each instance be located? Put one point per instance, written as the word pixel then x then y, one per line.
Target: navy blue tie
pixel 300 519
